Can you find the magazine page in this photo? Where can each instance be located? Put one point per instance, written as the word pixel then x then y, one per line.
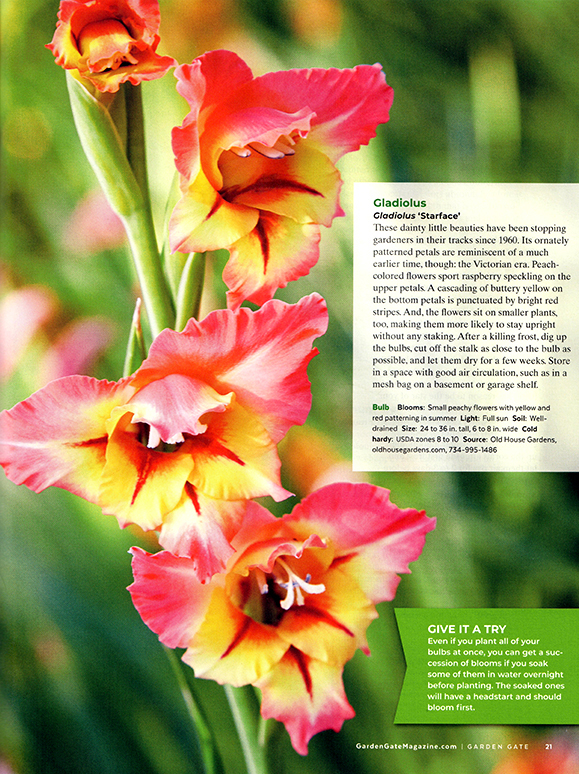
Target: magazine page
pixel 289 335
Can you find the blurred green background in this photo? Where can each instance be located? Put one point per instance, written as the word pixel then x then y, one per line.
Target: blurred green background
pixel 485 90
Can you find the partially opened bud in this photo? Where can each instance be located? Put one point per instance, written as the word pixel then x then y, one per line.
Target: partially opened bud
pixel 110 42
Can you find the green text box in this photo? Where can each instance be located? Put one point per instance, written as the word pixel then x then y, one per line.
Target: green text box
pixel 489 666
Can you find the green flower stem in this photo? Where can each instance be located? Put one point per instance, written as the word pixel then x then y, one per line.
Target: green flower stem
pixel 136 153
pixel 105 151
pixel 190 289
pixel 137 158
pixel 173 263
pixel 206 743
pixel 143 244
pixel 243 708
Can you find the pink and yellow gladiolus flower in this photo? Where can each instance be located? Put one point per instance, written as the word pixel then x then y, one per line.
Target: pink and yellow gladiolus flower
pixel 179 445
pixel 109 42
pixel 256 158
pixel 293 604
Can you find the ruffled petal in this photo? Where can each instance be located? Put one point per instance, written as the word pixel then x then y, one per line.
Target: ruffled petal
pixel 174 405
pixel 203 84
pixel 306 695
pixel 107 44
pixel 276 252
pixel 256 525
pixel 373 538
pixel 205 81
pixel 348 104
pixel 230 647
pixel 168 595
pixel 148 67
pixel 58 436
pixel 377 566
pixel 200 527
pixel 185 144
pixel 261 356
pixel 235 125
pixel 264 550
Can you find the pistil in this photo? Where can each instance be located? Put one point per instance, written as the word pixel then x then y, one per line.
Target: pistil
pixel 295 585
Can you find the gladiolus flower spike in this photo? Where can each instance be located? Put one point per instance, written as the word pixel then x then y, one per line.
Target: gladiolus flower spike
pixel 293 603
pixel 108 42
pixel 182 443
pixel 256 158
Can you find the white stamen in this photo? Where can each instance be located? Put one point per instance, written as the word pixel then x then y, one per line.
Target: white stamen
pixel 287 150
pixel 287 139
pixel 294 586
pixel 265 150
pixel 154 438
pixel 241 152
pixel 279 150
pixel 261 581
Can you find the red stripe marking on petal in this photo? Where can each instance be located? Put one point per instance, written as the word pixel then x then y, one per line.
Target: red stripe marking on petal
pixel 90 442
pixel 191 493
pixel 214 447
pixel 343 559
pixel 302 665
pixel 238 637
pixel 144 470
pixel 321 615
pixel 264 243
pixel 268 183
pixel 216 205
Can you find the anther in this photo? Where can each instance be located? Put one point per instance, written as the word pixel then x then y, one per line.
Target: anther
pixel 265 150
pixel 280 149
pixel 261 581
pixel 241 152
pixel 295 585
pixel 287 150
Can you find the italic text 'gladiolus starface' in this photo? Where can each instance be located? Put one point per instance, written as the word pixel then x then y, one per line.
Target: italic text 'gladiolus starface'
pixel 257 159
pixel 293 603
pixel 180 444
pixel 109 42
